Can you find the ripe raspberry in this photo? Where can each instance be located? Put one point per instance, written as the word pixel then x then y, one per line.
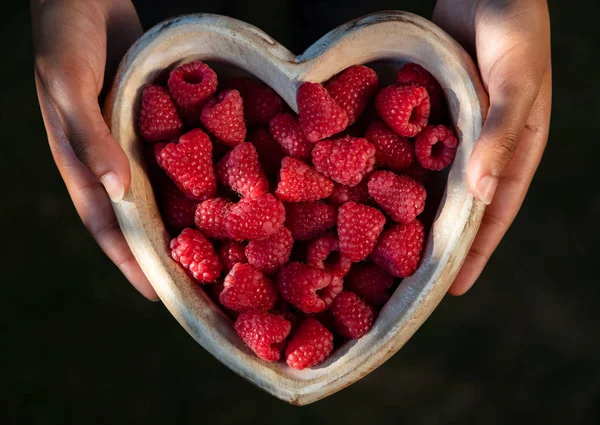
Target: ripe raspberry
pixel 319 254
pixel 269 152
pixel 310 344
pixel 320 116
pixel 255 218
pixel 177 210
pixel 286 129
pixel 370 283
pixel 399 249
pixel 210 217
pixel 263 332
pixel 309 219
pixel 224 117
pixel 300 182
pixel 352 88
pixel 300 285
pixel 261 102
pixel 401 197
pixel 268 255
pixel 158 115
pixel 352 316
pixel 191 85
pixel 393 152
pixel 359 227
pixel 413 74
pixel 240 169
pixel 195 253
pixel 189 164
pixel 231 253
pixel 405 109
pixel 344 160
pixel 246 288
pixel 436 147
pixel 342 193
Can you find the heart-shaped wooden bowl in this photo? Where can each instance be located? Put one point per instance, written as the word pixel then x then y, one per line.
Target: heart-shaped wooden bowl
pixel 392 37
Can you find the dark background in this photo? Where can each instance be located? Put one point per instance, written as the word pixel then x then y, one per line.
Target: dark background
pixel 81 346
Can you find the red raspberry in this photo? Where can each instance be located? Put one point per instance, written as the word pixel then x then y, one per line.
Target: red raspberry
pixel 240 169
pixel 268 255
pixel 359 227
pixel 177 210
pixel 413 74
pixel 246 288
pixel 261 102
pixel 301 285
pixel 352 88
pixel 300 182
pixel 344 160
pixel 309 219
pixel 263 332
pixel 401 197
pixel 418 173
pixel 319 254
pixel 342 193
pixel 158 116
pixel 191 85
pixel 352 316
pixel 195 253
pixel 231 253
pixel 255 218
pixel 405 109
pixel 399 249
pixel 320 116
pixel 189 164
pixel 286 129
pixel 370 283
pixel 269 152
pixel 436 147
pixel 224 117
pixel 210 217
pixel 310 344
pixel 393 152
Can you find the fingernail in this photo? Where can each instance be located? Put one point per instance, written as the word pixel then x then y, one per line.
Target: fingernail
pixel 113 185
pixel 487 188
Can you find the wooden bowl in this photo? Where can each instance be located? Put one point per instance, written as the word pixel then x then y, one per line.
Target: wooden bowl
pixel 391 37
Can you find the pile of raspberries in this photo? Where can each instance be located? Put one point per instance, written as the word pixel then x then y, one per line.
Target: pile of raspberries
pixel 297 225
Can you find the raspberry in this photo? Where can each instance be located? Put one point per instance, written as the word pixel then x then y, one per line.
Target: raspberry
pixel 246 288
pixel 413 74
pixel 268 255
pixel 370 283
pixel 352 316
pixel 352 88
pixel 224 117
pixel 309 219
pixel 399 249
pixel 210 217
pixel 231 253
pixel 310 344
pixel 286 129
pixel 240 169
pixel 359 227
pixel 191 85
pixel 195 253
pixel 269 151
pixel 436 147
pixel 300 182
pixel 401 197
pixel 320 116
pixel 342 193
pixel 300 285
pixel 405 109
pixel 158 115
pixel 189 164
pixel 261 102
pixel 255 218
pixel 417 172
pixel 319 252
pixel 393 152
pixel 177 210
pixel 263 332
pixel 344 160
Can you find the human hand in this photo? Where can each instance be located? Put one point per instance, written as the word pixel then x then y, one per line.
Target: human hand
pixel 78 45
pixel 510 40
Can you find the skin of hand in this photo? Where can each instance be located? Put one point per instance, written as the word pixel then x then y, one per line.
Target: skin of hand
pixel 78 45
pixel 510 40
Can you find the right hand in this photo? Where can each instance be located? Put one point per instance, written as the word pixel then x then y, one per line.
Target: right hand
pixel 78 45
